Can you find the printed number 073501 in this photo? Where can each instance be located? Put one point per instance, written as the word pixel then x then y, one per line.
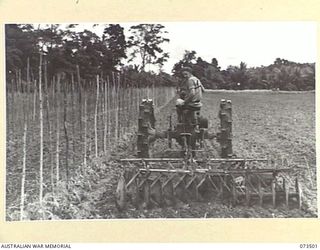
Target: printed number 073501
pixel 308 246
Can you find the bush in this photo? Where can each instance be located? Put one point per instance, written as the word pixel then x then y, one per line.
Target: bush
pixel 290 87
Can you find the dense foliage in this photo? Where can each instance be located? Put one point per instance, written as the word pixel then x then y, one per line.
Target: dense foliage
pixel 65 48
pixel 282 74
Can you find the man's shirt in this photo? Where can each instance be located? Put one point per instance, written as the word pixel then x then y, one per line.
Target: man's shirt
pixel 192 83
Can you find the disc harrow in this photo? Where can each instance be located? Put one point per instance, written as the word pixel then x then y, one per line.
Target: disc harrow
pixel 159 182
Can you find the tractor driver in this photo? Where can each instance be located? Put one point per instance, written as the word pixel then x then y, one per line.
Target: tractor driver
pixel 190 93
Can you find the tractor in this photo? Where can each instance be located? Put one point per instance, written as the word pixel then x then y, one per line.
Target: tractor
pixel 148 182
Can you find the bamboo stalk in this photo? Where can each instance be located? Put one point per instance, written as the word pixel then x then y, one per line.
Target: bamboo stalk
pixel 53 80
pixel 120 106
pixel 20 93
pixel 66 132
pixel 28 82
pixel 73 120
pixel 90 134
pixel 28 75
pixel 136 98
pixel 23 177
pixel 58 130
pixel 114 109
pixel 41 132
pixel 96 119
pixel 49 125
pixel 124 107
pixel 101 113
pixel 20 82
pixel 80 101
pixel 17 83
pixel 23 171
pixel 31 76
pixel 117 110
pixel 85 129
pixel 12 105
pixel 108 110
pixel 105 117
pixel 128 106
pixel 153 95
pixel 34 99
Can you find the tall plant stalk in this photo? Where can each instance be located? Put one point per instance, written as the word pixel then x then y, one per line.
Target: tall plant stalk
pixel 34 99
pixel 23 177
pixel 65 104
pixel 41 132
pixel 108 111
pixel 96 120
pixel 85 129
pixel 49 124
pixel 80 100
pixel 105 109
pixel 58 130
pixel 73 120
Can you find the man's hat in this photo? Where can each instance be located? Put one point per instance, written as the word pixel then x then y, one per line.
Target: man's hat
pixel 188 69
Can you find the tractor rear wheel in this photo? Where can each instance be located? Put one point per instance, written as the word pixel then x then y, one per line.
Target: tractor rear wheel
pixel 225 134
pixel 146 122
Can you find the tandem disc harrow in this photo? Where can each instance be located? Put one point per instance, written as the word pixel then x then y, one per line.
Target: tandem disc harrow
pixel 159 182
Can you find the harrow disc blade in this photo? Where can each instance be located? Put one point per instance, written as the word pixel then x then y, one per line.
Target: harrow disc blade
pixel 156 193
pixel 168 192
pixel 149 184
pixel 121 193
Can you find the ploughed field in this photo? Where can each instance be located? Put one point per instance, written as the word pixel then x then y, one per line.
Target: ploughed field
pixel 265 124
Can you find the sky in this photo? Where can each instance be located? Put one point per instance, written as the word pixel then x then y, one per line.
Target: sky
pixel 255 43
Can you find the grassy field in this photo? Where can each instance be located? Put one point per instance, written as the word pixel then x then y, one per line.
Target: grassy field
pixel 265 124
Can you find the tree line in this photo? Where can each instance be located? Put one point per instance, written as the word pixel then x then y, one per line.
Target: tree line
pixel 281 75
pixel 65 49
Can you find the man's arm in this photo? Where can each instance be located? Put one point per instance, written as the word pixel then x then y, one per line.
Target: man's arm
pixel 202 87
pixel 192 92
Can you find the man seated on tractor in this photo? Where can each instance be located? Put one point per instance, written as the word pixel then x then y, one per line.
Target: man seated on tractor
pixel 190 93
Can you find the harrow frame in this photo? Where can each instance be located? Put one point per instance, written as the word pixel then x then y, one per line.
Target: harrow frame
pixel 256 184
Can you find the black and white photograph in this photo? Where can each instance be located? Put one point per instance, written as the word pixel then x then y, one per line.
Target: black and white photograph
pixel 166 120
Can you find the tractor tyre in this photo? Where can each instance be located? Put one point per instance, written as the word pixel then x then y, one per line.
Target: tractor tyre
pixel 146 122
pixel 225 133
